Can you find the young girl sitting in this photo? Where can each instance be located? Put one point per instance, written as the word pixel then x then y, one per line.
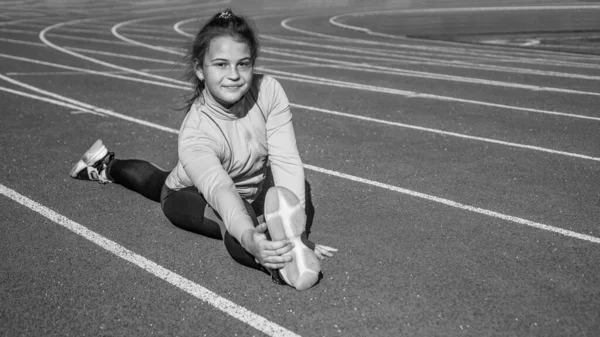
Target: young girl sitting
pixel 237 123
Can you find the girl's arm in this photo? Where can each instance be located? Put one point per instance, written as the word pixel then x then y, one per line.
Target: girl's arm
pixel 286 164
pixel 198 154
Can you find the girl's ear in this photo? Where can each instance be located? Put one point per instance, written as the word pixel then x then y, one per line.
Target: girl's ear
pixel 199 72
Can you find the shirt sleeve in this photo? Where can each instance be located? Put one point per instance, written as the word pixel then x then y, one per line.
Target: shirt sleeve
pixel 198 153
pixel 286 164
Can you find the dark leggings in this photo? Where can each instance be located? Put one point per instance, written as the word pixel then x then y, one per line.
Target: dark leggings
pixel 184 208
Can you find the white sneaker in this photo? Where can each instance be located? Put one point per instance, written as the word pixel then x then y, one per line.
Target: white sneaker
pixel 286 220
pixel 92 165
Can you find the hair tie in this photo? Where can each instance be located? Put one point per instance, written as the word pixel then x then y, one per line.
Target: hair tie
pixel 225 15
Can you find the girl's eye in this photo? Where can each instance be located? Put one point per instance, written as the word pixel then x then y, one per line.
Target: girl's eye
pixel 221 65
pixel 244 65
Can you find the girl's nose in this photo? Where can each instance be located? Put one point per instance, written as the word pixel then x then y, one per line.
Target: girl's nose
pixel 234 73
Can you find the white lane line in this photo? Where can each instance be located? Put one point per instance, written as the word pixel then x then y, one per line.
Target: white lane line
pixel 427 56
pixel 69 73
pixel 42 36
pixel 406 93
pixel 186 86
pixel 435 54
pixel 446 133
pixel 37 44
pixel 493 55
pixel 431 61
pixel 364 67
pixel 335 19
pixel 410 94
pixel 458 205
pixel 238 312
pixel 50 100
pixel 428 197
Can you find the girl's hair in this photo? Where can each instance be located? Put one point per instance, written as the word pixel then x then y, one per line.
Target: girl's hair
pixel 224 23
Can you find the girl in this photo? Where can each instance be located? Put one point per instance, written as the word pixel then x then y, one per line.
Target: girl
pixel 237 123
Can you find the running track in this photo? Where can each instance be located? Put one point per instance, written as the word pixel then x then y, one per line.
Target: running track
pixel 460 182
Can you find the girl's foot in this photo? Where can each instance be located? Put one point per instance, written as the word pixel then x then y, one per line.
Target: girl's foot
pixel 92 165
pixel 286 221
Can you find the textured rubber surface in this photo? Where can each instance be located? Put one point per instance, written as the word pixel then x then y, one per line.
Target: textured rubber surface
pixel 286 220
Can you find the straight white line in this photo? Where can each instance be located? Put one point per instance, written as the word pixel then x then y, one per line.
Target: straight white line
pixel 458 205
pixel 443 201
pixel 445 133
pixel 78 104
pixel 58 73
pixel 185 86
pixel 435 62
pixel 410 94
pixel 30 43
pixel 238 312
pixel 435 54
pixel 353 66
pixel 50 100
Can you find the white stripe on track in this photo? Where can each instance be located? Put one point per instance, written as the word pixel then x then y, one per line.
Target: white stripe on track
pixel 435 62
pixel 455 204
pixel 483 51
pixel 446 133
pixel 185 85
pixel 42 36
pixel 363 67
pixel 238 312
pixel 443 201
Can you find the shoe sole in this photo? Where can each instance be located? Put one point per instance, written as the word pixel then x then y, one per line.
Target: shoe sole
pixel 92 155
pixel 286 220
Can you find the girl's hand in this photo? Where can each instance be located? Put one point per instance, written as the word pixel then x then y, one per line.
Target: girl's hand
pixel 324 251
pixel 267 253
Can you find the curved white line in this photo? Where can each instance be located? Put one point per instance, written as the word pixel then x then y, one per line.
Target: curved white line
pixel 180 31
pixel 460 50
pixel 42 36
pixel 334 20
pixel 115 32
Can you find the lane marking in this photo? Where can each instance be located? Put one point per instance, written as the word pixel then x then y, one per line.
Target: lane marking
pixel 353 66
pixel 433 52
pixel 42 36
pixel 75 73
pixel 230 308
pixel 186 86
pixel 335 19
pixel 414 60
pixel 410 94
pixel 430 61
pixel 401 190
pixel 480 50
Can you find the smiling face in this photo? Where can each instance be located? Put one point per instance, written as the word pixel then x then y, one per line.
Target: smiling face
pixel 226 70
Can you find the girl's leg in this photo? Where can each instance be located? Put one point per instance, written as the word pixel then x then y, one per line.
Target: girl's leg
pixel 185 208
pixel 98 164
pixel 137 175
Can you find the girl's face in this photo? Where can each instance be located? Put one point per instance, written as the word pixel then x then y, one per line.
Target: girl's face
pixel 226 70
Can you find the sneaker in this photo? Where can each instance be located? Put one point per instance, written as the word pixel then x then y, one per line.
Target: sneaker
pixel 286 220
pixel 92 165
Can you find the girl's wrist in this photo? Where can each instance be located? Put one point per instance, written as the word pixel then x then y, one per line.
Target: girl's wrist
pixel 247 239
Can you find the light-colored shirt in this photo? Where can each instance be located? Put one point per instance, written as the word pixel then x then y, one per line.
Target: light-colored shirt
pixel 224 152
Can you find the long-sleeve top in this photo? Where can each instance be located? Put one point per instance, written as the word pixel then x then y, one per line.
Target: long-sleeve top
pixel 224 152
